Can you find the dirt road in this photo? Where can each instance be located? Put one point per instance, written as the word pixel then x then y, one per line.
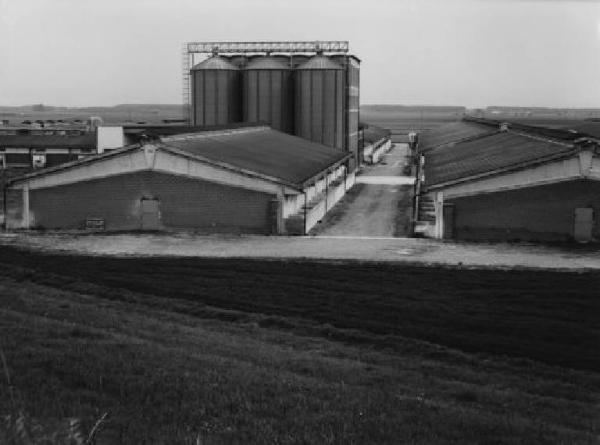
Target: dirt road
pixel 378 205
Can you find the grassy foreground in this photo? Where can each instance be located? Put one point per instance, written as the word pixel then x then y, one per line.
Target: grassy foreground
pixel 239 351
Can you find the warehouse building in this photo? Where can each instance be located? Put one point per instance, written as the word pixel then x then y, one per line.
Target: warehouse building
pixel 240 180
pixel 29 149
pixel 511 185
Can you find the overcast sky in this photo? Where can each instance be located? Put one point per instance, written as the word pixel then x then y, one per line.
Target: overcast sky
pixel 441 52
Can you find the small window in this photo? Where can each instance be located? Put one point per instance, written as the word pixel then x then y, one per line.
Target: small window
pixel 39 160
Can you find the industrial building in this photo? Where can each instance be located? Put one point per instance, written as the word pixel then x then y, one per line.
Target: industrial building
pixel 249 179
pixel 514 182
pixel 309 89
pixel 374 143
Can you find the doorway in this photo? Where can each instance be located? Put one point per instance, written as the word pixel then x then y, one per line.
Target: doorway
pixel 150 214
pixel 584 221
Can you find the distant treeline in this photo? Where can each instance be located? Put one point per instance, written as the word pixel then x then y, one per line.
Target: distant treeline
pixel 428 108
pixel 92 109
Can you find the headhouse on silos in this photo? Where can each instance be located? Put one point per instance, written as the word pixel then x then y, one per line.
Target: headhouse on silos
pixel 307 89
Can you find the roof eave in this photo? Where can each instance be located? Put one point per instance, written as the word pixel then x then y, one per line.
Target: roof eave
pixel 314 178
pixel 72 164
pixel 500 171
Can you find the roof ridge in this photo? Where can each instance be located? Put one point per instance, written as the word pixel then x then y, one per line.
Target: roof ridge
pixel 211 133
pixel 539 138
pixel 463 140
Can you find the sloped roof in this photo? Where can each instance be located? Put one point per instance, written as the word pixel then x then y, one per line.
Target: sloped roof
pixel 268 63
pixel 215 63
pixel 48 141
pixel 453 132
pixel 488 154
pixel 588 128
pixel 319 63
pixel 373 133
pixel 261 150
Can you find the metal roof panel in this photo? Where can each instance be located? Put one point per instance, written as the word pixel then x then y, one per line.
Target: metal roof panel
pixel 262 150
pixel 488 154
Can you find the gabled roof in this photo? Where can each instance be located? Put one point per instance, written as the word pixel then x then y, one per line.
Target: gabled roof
pixel 261 150
pixel 452 133
pixel 252 151
pixel 490 154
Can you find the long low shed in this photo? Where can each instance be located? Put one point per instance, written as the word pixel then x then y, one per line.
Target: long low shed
pixel 243 180
pixel 512 185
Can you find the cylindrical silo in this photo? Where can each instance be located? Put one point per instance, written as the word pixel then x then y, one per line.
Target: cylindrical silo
pixel 238 60
pixel 298 59
pixel 268 92
pixel 351 65
pixel 319 101
pixel 216 92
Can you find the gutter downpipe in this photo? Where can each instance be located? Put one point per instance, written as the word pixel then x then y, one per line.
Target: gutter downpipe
pixel 4 206
pixel 305 206
pixel 416 191
pixel 326 191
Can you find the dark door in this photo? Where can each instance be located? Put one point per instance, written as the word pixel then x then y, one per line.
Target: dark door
pixel 448 221
pixel 150 214
pixel 584 222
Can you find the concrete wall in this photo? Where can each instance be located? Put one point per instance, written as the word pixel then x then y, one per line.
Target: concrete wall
pixel 323 200
pixel 535 213
pixel 295 203
pixel 184 203
pixel 109 138
pixel 373 153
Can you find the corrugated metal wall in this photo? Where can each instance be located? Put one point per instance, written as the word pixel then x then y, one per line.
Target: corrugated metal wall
pixel 319 106
pixel 184 203
pixel 268 93
pixel 216 97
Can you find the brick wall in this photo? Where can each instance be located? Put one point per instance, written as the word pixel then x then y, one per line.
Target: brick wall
pixel 535 213
pixel 184 203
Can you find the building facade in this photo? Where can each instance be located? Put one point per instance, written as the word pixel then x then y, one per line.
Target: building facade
pixel 511 185
pixel 241 180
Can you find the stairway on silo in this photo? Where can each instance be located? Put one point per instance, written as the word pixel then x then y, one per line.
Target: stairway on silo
pixel 425 222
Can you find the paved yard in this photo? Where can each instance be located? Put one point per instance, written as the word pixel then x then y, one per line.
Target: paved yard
pixel 378 205
pixel 398 250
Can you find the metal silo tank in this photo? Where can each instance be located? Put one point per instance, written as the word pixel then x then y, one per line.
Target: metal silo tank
pixel 237 60
pixel 351 65
pixel 216 92
pixel 298 59
pixel 319 101
pixel 268 92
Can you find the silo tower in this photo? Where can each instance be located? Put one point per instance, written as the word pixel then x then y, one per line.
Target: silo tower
pixel 268 92
pixel 216 92
pixel 319 104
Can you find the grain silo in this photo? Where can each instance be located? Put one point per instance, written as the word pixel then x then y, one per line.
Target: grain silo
pixel 319 101
pixel 268 92
pixel 298 59
pixel 216 92
pixel 351 65
pixel 238 60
